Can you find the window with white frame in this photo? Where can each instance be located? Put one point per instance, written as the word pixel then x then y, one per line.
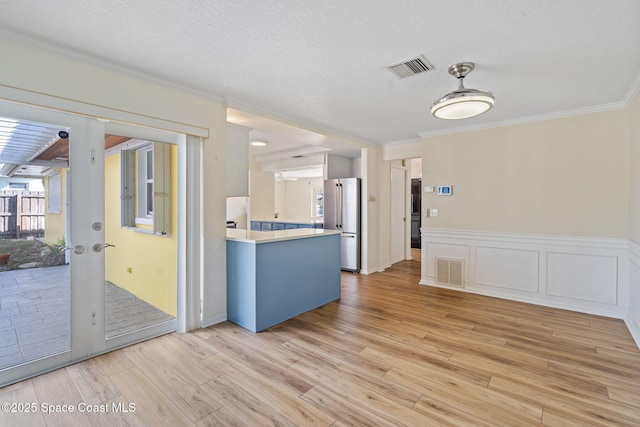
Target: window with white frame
pixel 146 181
pixel 145 185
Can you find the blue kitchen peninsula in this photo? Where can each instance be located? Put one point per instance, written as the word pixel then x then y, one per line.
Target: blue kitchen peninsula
pixel 273 276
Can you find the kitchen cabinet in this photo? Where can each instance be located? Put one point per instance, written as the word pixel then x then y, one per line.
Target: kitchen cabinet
pixel 274 276
pixel 257 225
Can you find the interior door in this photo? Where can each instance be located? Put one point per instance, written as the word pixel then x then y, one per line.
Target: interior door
pixel 398 214
pixel 50 309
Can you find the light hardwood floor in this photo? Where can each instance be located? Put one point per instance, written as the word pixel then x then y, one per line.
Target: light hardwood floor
pixel 390 352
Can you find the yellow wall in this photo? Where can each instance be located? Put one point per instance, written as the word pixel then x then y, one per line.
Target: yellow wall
pixel 151 258
pixel 565 176
pixel 55 224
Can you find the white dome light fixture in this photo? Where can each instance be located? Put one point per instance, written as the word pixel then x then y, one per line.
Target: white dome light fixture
pixel 258 142
pixel 462 103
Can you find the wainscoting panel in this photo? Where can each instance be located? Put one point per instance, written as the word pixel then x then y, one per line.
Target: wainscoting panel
pixel 589 275
pixel 583 277
pixel 443 250
pixel 515 269
pixel 632 318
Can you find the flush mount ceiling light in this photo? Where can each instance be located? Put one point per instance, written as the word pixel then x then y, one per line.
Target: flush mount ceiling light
pixel 462 103
pixel 258 142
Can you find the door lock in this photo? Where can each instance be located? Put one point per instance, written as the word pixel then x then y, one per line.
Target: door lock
pixel 98 247
pixel 96 226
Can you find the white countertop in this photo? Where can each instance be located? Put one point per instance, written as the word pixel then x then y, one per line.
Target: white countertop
pixel 250 236
pixel 308 220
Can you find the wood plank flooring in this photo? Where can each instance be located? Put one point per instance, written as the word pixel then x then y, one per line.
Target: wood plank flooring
pixel 390 352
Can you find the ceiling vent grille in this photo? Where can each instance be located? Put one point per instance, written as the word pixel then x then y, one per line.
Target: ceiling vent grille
pixel 410 67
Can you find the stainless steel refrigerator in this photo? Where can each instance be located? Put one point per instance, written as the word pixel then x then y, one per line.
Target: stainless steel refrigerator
pixel 342 212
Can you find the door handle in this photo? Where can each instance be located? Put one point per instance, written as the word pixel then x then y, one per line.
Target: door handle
pixel 77 249
pixel 98 247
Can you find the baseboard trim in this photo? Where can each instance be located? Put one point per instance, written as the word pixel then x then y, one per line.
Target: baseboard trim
pixel 372 271
pixel 214 320
pixel 613 313
pixel 634 329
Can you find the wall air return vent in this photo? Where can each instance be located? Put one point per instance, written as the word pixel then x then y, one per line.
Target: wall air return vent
pixel 450 272
pixel 410 67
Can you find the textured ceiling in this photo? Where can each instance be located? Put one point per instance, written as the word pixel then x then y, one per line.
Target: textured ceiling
pixel 321 64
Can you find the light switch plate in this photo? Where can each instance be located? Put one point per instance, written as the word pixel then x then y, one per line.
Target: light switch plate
pixel 433 212
pixel 429 189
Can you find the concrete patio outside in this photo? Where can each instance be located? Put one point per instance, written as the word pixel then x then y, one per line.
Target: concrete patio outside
pixel 35 308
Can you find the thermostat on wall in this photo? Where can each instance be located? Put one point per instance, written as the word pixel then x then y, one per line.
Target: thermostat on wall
pixel 444 190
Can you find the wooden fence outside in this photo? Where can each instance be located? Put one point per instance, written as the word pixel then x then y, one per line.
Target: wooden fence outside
pixel 21 214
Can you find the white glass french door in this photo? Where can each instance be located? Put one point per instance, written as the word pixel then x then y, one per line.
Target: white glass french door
pixel 112 284
pixel 48 306
pixel 139 234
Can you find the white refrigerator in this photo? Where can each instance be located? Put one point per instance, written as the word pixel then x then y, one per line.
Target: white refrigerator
pixel 342 212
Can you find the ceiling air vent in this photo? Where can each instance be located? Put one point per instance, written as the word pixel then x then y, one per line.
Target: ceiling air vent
pixel 411 67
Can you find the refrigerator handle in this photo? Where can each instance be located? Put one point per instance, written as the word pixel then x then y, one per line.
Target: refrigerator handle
pixel 341 201
pixel 337 209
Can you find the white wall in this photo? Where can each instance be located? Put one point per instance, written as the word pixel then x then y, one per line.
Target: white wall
pixel 91 90
pixel 402 151
pixel 237 211
pixel 539 212
pixel 633 313
pixel 32 184
pixel 565 177
pixel 416 168
pixel 237 160
pixel 296 198
pixel 280 196
pixel 262 193
pixel 371 224
pixel 336 167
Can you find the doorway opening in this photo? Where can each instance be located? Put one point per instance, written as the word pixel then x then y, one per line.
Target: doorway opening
pixel 415 168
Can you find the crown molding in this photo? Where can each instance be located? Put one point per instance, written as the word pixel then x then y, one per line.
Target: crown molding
pixel 530 119
pixel 633 91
